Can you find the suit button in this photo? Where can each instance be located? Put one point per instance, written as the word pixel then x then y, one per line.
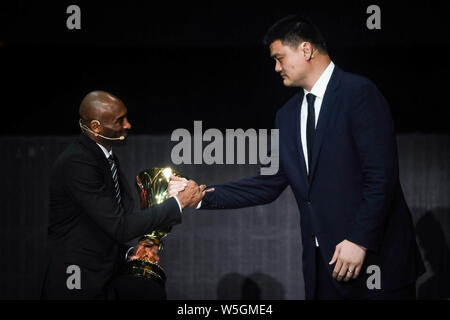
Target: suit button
pixel 309 203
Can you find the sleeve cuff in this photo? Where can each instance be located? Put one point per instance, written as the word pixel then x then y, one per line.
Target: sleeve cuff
pixel 179 205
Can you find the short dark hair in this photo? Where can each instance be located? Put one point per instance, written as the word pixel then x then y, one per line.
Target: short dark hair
pixel 294 29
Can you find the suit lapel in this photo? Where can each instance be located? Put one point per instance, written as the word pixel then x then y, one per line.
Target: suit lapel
pixel 326 110
pixel 96 151
pixel 101 159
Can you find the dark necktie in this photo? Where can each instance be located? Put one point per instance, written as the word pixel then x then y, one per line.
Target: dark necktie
pixel 310 127
pixel 113 166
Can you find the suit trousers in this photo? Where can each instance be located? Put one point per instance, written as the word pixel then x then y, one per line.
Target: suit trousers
pixel 325 290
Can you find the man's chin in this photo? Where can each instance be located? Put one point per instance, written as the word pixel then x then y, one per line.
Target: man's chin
pixel 290 84
pixel 287 83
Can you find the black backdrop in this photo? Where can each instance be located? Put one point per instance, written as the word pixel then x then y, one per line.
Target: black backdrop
pixel 195 61
pixel 175 63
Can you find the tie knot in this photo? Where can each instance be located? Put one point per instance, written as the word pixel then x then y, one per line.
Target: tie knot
pixel 310 98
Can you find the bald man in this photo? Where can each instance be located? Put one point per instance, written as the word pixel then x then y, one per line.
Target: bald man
pixel 92 214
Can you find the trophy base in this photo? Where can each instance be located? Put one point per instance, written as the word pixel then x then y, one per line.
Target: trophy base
pixel 145 269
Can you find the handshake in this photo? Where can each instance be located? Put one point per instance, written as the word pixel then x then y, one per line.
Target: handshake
pixel 188 192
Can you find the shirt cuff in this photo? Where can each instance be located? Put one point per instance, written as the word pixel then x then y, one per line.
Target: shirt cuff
pixel 179 205
pixel 199 205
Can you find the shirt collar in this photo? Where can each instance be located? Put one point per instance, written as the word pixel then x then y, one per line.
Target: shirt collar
pixel 106 152
pixel 320 86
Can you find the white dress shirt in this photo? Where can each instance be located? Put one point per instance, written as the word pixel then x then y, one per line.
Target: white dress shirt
pixel 318 90
pixel 106 152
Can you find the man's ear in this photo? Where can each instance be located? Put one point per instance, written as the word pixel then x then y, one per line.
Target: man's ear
pixel 95 125
pixel 307 49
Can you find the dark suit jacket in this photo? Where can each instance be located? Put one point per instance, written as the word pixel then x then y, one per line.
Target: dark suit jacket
pixel 353 191
pixel 87 228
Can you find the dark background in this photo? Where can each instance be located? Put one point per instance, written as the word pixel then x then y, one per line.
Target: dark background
pixel 174 63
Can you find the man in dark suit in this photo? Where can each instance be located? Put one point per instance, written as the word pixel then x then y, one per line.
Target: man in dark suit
pixel 338 153
pixel 92 214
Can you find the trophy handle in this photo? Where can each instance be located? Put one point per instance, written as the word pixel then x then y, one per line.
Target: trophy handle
pixel 143 193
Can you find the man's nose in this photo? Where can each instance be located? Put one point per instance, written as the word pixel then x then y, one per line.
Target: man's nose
pixel 277 67
pixel 126 124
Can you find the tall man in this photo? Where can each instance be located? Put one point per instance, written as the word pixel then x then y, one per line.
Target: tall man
pixel 92 214
pixel 338 153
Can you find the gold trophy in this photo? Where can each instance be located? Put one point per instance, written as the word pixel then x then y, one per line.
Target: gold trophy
pixel 153 187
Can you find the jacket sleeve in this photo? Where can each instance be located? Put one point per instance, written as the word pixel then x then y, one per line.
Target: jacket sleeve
pixel 247 192
pixel 374 137
pixel 84 182
pixel 257 190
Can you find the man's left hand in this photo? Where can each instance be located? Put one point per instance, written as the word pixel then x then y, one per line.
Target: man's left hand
pixel 349 258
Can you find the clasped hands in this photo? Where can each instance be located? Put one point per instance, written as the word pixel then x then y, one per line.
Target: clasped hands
pixel 188 192
pixel 349 258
